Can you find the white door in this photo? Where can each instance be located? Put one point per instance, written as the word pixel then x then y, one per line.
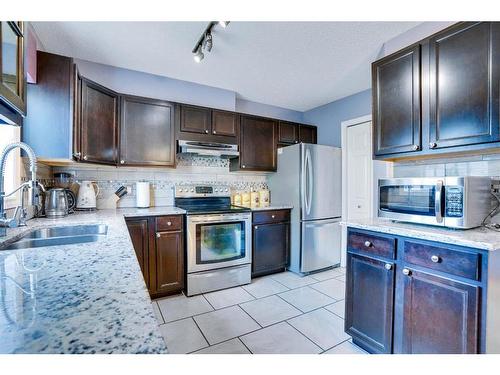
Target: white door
pixel 359 171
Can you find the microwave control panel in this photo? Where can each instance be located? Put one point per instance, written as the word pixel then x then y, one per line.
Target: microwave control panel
pixel 454 201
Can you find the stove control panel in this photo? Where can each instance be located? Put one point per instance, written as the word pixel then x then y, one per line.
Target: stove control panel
pixel 193 191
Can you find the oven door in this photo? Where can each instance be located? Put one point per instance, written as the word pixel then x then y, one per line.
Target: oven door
pixel 218 240
pixel 417 200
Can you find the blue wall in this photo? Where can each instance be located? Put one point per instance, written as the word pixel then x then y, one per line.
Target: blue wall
pixel 328 117
pixel 265 110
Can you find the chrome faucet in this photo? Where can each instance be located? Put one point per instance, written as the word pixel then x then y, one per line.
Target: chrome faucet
pixel 19 217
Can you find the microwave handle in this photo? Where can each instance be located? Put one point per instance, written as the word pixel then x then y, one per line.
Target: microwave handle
pixel 438 198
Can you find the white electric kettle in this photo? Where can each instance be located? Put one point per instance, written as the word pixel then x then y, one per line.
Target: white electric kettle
pixel 87 196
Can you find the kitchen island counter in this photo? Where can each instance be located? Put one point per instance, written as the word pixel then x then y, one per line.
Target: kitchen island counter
pixel 80 298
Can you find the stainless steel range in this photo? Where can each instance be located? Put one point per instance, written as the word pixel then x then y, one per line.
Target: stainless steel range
pixel 219 238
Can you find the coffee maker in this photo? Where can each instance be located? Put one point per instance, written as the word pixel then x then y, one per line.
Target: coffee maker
pixel 64 180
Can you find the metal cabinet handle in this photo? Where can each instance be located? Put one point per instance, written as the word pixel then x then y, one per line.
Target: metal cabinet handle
pixel 433 145
pixel 388 266
pixel 415 147
pixel 406 272
pixel 368 244
pixel 435 259
pixel 158 235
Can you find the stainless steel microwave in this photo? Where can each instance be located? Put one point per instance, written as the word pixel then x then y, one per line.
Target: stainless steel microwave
pixel 454 202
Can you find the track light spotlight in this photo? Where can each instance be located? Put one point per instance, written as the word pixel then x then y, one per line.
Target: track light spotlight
pixel 198 56
pixel 207 42
pixel 224 23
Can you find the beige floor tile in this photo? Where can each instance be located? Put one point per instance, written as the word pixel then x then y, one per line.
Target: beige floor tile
pixel 346 347
pixel 322 327
pixel 338 308
pixel 157 312
pixel 225 324
pixel 264 287
pixel 182 336
pixel 228 297
pixel 306 299
pixel 234 346
pixel 325 275
pixel 180 307
pixel 269 310
pixel 332 288
pixel 341 278
pixel 292 280
pixel 280 338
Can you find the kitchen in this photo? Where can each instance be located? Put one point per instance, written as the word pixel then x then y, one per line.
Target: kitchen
pixel 157 212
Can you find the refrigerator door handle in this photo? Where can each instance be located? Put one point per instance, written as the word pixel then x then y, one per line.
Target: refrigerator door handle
pixel 309 181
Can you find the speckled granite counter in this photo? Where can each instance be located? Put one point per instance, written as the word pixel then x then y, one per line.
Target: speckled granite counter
pixel 273 207
pixel 82 298
pixel 481 238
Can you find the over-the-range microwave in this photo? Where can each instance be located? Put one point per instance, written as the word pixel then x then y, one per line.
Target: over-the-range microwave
pixel 454 202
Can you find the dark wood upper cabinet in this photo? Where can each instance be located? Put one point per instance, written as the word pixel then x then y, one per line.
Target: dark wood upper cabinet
pixel 271 242
pixel 224 123
pixel 257 143
pixel 12 72
pixel 370 286
pixel 439 315
pixel 396 109
pixel 146 132
pixel 308 134
pixel 288 132
pixel 99 123
pixel 139 234
pixel 464 85
pixel 195 119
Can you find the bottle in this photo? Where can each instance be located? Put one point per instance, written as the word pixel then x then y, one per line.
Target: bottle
pixel 264 198
pixel 254 199
pixel 237 199
pixel 245 199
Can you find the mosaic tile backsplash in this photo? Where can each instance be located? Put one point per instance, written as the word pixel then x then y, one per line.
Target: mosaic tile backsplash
pixel 190 170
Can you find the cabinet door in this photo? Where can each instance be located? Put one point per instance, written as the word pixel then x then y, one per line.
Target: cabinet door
pixel 139 235
pixel 195 119
pixel 464 89
pixel 370 302
pixel 396 102
pixel 99 128
pixel 439 315
pixel 146 132
pixel 258 143
pixel 12 75
pixel 224 123
pixel 307 134
pixel 168 271
pixel 288 132
pixel 270 248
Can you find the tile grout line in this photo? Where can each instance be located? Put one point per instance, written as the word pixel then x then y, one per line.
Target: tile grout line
pixel 302 334
pixel 239 338
pixel 334 346
pixel 208 342
pixel 307 312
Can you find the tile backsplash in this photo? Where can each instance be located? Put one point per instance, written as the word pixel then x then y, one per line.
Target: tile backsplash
pixel 189 170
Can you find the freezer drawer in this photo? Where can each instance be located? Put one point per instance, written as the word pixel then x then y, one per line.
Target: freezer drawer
pixel 320 244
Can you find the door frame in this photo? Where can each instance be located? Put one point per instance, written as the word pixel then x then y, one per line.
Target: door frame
pixel 379 169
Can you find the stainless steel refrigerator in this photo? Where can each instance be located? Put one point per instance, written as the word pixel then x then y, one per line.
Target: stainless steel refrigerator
pixel 309 178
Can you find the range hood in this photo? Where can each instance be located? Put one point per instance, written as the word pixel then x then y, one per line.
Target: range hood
pixel 222 150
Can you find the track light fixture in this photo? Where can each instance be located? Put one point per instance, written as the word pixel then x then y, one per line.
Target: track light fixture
pixel 206 40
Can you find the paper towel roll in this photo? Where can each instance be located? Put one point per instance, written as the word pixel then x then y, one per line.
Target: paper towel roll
pixel 142 194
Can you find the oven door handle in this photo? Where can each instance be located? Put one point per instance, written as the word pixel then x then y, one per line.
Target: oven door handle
pixel 438 200
pixel 218 219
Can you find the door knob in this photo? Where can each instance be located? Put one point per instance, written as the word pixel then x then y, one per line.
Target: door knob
pixel 406 272
pixel 388 266
pixel 433 145
pixel 368 244
pixel 435 259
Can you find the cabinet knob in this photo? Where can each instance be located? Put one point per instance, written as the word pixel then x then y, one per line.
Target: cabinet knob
pixel 169 223
pixel 158 235
pixel 388 266
pixel 256 227
pixel 122 161
pixel 243 166
pixel 415 147
pixel 433 145
pixel 435 259
pixel 215 132
pixel 273 216
pixel 85 157
pixel 77 155
pixel 406 272
pixel 296 141
pixel 368 244
pixel 206 131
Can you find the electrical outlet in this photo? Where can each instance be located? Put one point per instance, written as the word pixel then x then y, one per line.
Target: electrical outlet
pixel 129 189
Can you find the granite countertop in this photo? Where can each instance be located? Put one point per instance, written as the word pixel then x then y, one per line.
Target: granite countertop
pixel 273 207
pixel 480 238
pixel 81 298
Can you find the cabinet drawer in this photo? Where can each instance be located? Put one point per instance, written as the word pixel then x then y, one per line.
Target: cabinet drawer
pixel 441 258
pixel 168 223
pixel 372 245
pixel 271 216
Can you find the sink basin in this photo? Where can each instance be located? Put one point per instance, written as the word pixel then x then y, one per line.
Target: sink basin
pixel 56 236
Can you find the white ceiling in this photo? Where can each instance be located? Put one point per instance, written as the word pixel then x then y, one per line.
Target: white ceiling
pixel 295 65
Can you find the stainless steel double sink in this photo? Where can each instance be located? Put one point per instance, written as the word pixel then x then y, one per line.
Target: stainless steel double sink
pixel 56 236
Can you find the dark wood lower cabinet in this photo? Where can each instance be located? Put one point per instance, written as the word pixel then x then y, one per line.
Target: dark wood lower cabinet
pixel 439 315
pixel 420 302
pixel 370 302
pixel 271 242
pixel 160 253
